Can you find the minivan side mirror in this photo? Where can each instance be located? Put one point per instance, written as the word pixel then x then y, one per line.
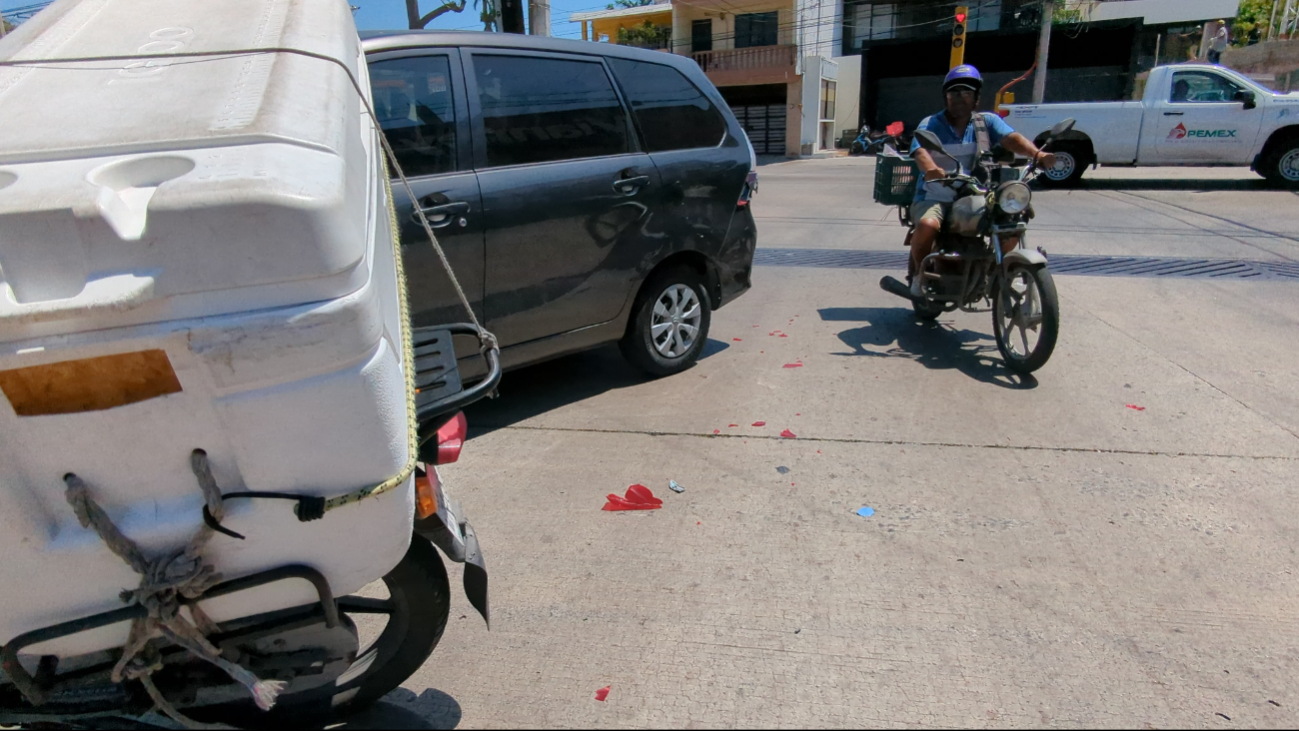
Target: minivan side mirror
pixel 1246 97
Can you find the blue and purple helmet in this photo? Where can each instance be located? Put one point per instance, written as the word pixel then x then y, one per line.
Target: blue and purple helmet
pixel 963 75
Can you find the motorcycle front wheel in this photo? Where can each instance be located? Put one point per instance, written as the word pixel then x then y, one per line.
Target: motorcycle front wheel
pixel 1026 317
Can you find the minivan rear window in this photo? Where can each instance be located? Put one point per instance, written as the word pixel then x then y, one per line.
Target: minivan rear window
pixel 672 112
pixel 545 109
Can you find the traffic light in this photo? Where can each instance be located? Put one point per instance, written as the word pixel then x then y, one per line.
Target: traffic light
pixel 958 36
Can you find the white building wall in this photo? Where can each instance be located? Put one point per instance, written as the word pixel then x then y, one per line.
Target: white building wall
pixel 848 104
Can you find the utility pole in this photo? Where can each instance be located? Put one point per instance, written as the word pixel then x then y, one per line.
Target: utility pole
pixel 539 17
pixel 1043 51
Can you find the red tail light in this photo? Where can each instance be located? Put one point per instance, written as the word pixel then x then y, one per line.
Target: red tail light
pixel 750 187
pixel 451 437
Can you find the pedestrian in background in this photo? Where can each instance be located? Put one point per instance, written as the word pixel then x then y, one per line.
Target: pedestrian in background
pixel 1219 43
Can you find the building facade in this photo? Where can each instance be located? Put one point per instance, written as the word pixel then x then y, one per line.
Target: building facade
pixel 778 63
pixel 1100 50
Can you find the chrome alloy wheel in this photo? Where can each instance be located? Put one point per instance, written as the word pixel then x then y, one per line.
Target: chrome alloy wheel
pixel 676 319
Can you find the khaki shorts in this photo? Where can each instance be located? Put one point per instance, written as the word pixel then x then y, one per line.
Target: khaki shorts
pixel 937 210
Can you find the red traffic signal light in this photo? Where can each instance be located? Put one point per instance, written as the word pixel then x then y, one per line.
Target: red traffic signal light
pixel 960 17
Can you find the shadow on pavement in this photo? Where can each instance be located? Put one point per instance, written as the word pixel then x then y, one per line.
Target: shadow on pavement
pixel 1202 185
pixel 935 345
pixel 534 390
pixel 402 709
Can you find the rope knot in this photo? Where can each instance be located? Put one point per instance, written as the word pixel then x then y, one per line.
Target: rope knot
pixel 165 583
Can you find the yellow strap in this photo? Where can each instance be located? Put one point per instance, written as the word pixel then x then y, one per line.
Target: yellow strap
pixel 408 355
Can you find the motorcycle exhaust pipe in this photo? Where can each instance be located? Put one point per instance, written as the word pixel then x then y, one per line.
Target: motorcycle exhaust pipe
pixel 893 286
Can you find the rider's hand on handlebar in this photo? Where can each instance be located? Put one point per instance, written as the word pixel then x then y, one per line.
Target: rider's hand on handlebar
pixel 1045 159
pixel 935 174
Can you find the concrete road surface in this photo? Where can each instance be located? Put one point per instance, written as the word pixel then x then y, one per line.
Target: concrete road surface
pixel 1040 553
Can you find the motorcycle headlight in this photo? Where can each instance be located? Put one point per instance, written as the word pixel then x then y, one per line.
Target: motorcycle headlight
pixel 1014 198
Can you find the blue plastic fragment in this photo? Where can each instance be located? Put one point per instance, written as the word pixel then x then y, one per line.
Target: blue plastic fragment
pixel 865 512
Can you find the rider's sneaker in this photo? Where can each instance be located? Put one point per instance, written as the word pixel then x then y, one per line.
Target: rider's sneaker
pixel 915 287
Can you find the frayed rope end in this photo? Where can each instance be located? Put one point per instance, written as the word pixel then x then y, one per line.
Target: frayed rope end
pixel 265 692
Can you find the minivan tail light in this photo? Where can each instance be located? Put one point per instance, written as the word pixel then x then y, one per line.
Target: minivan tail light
pixel 750 187
pixel 451 438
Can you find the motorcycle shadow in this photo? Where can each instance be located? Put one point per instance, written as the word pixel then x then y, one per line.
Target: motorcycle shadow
pixel 895 332
pixel 403 709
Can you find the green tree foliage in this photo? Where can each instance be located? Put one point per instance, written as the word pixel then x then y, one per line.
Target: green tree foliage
pixel 628 4
pixel 1253 14
pixel 645 36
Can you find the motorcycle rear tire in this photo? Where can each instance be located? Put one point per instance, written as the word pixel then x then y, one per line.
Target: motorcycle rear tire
pixel 927 311
pixel 421 598
pixel 419 588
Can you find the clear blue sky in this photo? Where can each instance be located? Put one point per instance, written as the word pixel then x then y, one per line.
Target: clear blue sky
pixel 390 14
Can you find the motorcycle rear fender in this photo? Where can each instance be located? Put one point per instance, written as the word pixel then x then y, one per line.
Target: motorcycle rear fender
pixel 450 531
pixel 1025 257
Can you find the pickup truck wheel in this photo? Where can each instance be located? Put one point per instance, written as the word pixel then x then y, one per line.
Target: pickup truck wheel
pixel 1069 168
pixel 1281 168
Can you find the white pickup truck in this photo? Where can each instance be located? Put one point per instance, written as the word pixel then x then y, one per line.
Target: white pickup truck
pixel 1190 114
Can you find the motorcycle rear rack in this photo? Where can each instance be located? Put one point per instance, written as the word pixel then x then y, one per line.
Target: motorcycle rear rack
pixel 35 692
pixel 440 392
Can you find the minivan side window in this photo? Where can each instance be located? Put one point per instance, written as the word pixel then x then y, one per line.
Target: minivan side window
pixel 545 109
pixel 673 113
pixel 412 99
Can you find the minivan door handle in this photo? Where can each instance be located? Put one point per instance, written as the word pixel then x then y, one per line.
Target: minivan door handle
pixel 630 186
pixel 441 215
pixel 1173 114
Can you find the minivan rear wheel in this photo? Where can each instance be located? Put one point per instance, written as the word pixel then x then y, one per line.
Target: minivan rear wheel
pixel 669 323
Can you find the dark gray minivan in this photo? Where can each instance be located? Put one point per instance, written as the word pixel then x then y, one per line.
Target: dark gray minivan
pixel 584 192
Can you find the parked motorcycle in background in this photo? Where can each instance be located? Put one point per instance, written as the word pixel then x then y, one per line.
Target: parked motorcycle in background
pixel 967 265
pixel 873 143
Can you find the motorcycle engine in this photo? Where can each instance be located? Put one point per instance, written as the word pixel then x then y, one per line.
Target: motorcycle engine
pixel 967 215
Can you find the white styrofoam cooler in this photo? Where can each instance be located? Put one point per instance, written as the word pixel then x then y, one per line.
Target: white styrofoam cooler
pixel 230 212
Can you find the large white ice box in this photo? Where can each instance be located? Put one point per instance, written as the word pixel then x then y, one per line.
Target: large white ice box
pixel 194 253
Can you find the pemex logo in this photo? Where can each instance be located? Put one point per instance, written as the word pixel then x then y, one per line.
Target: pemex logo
pixel 1178 133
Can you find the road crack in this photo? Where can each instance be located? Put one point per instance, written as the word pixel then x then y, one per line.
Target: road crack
pixel 892 442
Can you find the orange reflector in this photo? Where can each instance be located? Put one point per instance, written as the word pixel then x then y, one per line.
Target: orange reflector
pixel 90 384
pixel 426 498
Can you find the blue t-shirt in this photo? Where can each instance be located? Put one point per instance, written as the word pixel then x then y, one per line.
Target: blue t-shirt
pixel 963 147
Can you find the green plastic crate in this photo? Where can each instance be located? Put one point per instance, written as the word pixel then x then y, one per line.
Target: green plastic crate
pixel 895 180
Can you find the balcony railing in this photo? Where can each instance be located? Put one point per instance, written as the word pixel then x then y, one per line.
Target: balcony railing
pixel 745 59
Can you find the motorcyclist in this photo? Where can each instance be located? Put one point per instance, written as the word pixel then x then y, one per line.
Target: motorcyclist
pixel 956 129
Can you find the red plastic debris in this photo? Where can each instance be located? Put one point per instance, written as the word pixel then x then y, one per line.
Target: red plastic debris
pixel 717 431
pixel 759 423
pixel 638 497
pixel 793 365
pixel 732 425
pixel 1134 407
pixel 738 340
pixel 787 434
pixel 783 335
pixel 602 693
